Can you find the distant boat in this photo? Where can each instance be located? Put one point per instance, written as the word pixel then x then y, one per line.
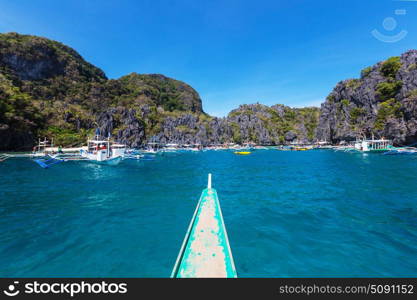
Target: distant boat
pixel 243 153
pixel 284 148
pixel 301 149
pixel 205 252
pixel 170 148
pixel 40 149
pixel 380 146
pixel 402 151
pixel 103 151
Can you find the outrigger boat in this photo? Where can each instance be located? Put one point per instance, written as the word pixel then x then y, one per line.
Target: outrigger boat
pixel 382 145
pixel 170 148
pixel 152 148
pixel 103 151
pixel 205 252
pixel 40 149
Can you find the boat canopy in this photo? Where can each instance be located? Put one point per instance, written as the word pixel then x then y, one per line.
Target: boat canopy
pixel 98 142
pixel 118 146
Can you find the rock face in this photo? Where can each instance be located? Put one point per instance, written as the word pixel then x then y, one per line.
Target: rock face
pixel 48 89
pixel 132 130
pixel 382 103
pixel 255 123
pixel 32 58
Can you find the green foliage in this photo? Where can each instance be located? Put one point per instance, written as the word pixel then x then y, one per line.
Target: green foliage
pixel 58 56
pixel 253 137
pixel 353 84
pixel 355 113
pixel 331 99
pixel 388 90
pixel 365 72
pixel 412 94
pixel 172 104
pixel 66 137
pixel 345 102
pixel 391 66
pixel 185 129
pixel 17 112
pixel 412 67
pixel 236 135
pixel 158 90
pixel 234 113
pixel 205 118
pixel 290 115
pixel 387 109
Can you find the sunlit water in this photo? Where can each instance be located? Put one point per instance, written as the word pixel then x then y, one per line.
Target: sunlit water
pixel 298 214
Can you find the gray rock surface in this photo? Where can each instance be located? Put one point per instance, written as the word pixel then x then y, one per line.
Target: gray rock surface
pixel 340 120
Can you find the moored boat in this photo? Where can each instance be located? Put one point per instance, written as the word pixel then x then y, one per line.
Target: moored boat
pixel 378 146
pixel 242 153
pixel 170 148
pixel 40 149
pixel 103 151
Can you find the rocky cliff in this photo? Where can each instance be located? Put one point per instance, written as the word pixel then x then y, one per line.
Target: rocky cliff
pixel 382 103
pixel 48 89
pixel 255 123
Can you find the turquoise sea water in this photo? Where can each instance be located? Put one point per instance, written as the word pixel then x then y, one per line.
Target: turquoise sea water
pixel 298 214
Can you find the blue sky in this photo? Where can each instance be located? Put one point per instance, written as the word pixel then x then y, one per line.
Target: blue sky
pixel 231 51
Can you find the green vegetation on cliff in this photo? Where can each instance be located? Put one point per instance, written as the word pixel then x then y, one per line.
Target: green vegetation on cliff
pixel 388 109
pixel 19 119
pixel 276 124
pixel 47 88
pixel 388 89
pixel 391 66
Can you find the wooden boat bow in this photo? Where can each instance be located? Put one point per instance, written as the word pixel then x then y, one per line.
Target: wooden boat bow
pixel 205 252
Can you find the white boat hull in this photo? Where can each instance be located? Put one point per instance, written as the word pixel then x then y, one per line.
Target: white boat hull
pixel 111 161
pixel 101 157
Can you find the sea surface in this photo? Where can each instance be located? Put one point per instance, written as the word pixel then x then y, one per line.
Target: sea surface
pixel 288 214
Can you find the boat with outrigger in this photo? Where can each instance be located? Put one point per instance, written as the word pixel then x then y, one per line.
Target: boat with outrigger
pixel 103 150
pixel 374 146
pixel 41 149
pixel 365 146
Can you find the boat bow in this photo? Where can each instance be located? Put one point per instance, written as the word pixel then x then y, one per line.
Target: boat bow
pixel 205 251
